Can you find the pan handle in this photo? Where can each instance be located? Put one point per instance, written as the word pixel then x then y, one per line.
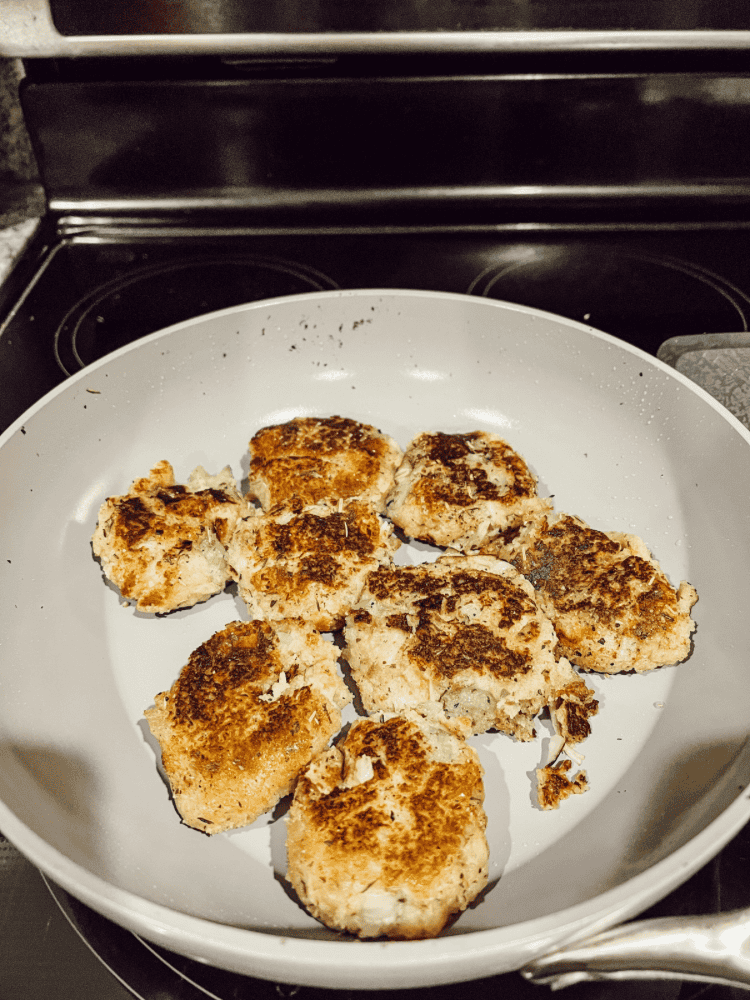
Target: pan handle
pixel 712 949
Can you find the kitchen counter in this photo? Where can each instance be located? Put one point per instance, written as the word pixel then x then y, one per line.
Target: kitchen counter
pixel 22 201
pixel 13 240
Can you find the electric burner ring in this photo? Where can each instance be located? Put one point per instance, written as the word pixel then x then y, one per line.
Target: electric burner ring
pixel 608 288
pixel 640 297
pixel 109 317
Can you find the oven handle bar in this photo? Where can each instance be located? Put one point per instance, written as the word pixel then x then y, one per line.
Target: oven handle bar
pixel 28 31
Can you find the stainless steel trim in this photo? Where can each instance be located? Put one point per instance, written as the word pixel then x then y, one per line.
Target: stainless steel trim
pixel 100 230
pixel 28 31
pixel 262 197
pixel 713 949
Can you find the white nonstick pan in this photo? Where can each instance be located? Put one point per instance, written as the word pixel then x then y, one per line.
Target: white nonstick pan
pixel 616 436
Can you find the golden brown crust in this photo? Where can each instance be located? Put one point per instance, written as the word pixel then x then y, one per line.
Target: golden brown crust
pixel 554 785
pixel 386 831
pixel 310 561
pixel 162 544
pixel 466 632
pixel 612 606
pixel 250 709
pixel 319 459
pixel 458 490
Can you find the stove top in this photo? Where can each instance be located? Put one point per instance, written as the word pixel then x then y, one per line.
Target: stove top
pixel 91 295
pixel 54 946
pixel 184 178
pixel 78 296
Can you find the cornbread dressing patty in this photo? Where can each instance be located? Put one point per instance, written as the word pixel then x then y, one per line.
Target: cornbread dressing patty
pixel 458 490
pixel 252 707
pixel 386 831
pixel 321 459
pixel 612 606
pixel 309 561
pixel 162 544
pixel 464 632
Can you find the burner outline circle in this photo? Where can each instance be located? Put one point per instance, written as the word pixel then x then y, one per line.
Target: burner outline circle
pixel 726 289
pixel 78 313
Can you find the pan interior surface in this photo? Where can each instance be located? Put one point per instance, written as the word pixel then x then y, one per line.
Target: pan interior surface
pixel 612 434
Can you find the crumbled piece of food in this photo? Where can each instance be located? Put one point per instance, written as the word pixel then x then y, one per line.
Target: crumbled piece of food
pixel 386 831
pixel 458 490
pixel 554 785
pixel 308 561
pixel 612 606
pixel 571 702
pixel 252 707
pixel 465 632
pixel 163 544
pixel 318 459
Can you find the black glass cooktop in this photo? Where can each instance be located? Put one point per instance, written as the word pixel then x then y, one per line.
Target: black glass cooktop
pixel 79 297
pixel 91 296
pixel 54 946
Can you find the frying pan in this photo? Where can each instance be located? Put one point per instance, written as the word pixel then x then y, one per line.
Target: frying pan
pixel 613 434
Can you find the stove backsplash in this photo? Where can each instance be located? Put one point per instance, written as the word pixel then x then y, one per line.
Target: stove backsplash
pixel 391 148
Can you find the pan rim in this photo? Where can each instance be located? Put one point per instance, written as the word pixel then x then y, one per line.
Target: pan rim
pixel 270 951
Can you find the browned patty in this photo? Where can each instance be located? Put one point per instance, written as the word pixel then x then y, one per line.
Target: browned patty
pixel 463 632
pixel 386 830
pixel 458 490
pixel 612 607
pixel 321 459
pixel 252 707
pixel 310 561
pixel 163 544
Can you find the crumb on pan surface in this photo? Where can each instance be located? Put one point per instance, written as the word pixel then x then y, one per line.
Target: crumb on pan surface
pixel 612 606
pixel 253 705
pixel 309 560
pixel 386 832
pixel 465 632
pixel 554 785
pixel 321 459
pixel 458 490
pixel 162 544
